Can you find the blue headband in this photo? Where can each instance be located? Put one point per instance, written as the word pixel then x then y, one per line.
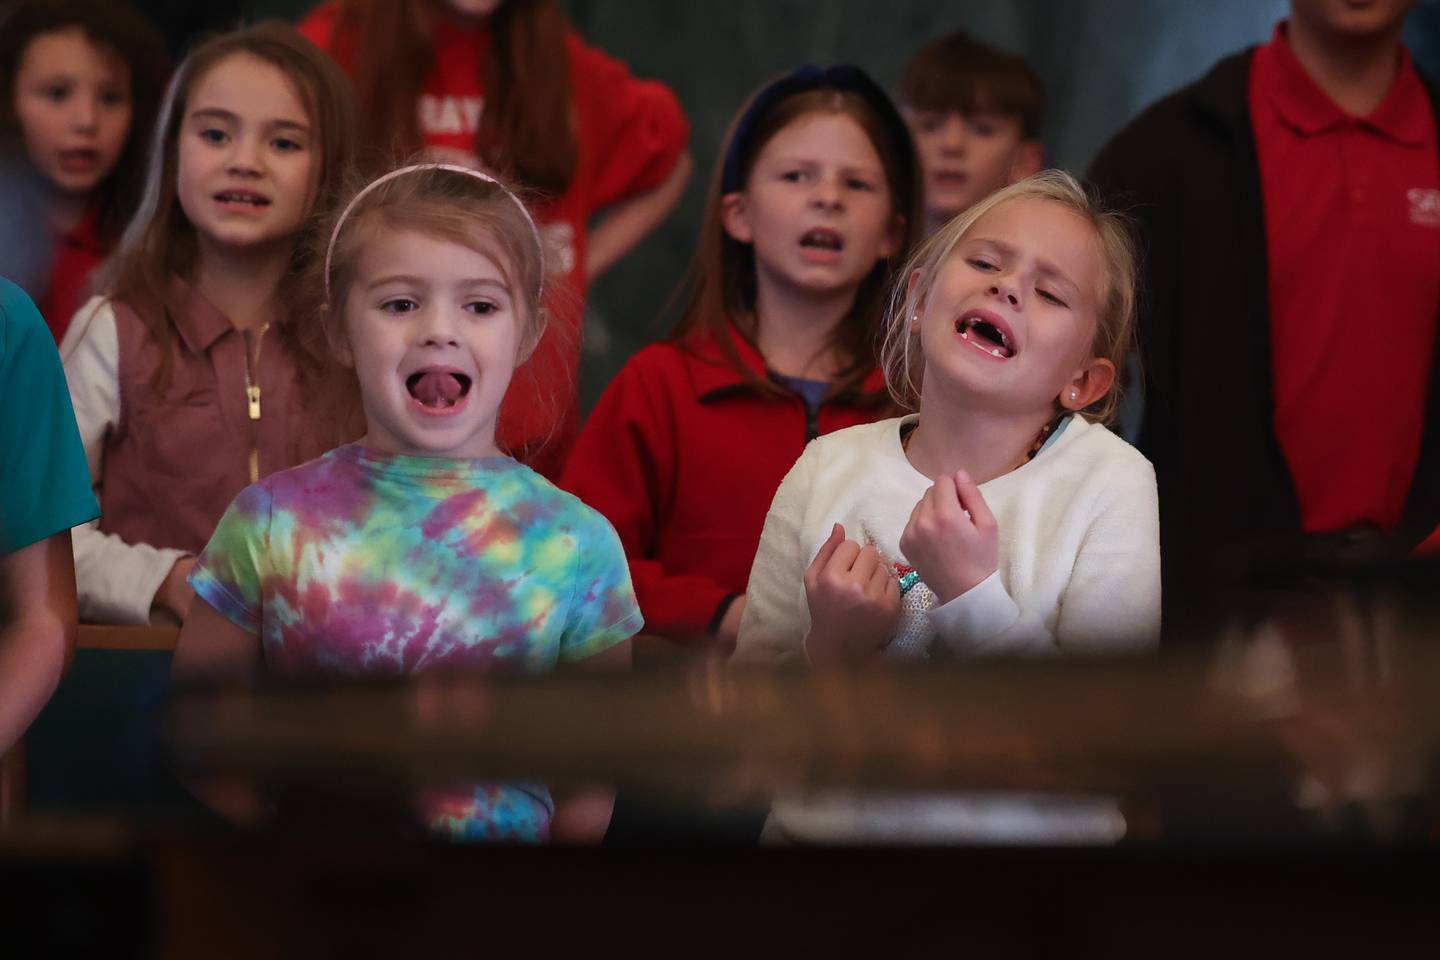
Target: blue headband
pixel 802 80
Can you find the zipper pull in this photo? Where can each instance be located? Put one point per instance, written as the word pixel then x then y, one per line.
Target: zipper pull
pixel 252 394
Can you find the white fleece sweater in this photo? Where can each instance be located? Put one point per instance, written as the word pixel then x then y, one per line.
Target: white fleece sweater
pixel 1079 567
pixel 1079 570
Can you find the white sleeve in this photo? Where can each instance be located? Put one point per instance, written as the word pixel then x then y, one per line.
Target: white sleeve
pixel 1112 604
pixel 116 581
pixel 985 620
pixel 776 618
pixel 95 309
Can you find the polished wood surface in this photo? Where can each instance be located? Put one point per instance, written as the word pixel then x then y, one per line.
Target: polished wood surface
pixel 1078 725
pixel 12 785
pixel 93 636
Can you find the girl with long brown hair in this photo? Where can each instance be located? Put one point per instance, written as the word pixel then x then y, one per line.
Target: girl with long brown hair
pixel 507 86
pixel 188 373
pixel 816 198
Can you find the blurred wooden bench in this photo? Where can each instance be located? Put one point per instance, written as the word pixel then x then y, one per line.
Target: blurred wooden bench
pixel 89 637
pixel 94 636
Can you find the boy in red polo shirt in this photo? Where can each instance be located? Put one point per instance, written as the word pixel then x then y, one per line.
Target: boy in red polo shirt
pixel 1289 204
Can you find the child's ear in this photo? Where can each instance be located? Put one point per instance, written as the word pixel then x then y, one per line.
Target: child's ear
pixel 1029 160
pixel 1090 383
pixel 911 284
pixel 335 334
pixel 735 217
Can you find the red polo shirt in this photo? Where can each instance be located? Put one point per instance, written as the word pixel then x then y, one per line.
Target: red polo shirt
pixel 77 254
pixel 683 455
pixel 1352 222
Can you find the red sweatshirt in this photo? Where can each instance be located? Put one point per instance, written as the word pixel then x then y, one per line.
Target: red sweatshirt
pixel 631 132
pixel 683 456
pixel 77 254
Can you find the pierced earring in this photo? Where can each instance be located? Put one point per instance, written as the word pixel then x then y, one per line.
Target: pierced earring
pixel 1072 396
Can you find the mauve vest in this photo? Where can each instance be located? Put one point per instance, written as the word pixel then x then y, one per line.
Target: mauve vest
pixel 173 463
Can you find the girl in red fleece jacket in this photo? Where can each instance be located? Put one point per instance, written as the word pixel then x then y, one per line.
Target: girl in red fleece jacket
pixel 816 198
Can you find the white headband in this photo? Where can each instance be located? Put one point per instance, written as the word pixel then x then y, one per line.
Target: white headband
pixel 452 167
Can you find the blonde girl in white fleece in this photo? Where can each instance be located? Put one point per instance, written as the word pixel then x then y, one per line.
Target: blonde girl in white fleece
pixel 1002 517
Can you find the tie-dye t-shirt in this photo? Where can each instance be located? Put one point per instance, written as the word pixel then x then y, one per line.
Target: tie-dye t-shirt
pixel 362 563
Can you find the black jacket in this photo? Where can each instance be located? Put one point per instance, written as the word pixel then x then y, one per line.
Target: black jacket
pixel 1187 171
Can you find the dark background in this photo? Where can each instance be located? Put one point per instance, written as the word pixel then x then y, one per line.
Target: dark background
pixel 1101 60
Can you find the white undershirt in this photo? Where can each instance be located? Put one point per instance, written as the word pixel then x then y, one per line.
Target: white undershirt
pixel 115 580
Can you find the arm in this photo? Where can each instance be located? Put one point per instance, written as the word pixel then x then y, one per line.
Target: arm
pixel 622 466
pixel 1111 601
pixel 37 640
pixel 776 618
pixel 211 647
pixel 597 639
pixel 218 646
pixel 117 582
pixel 628 222
pixel 582 815
pixel 632 134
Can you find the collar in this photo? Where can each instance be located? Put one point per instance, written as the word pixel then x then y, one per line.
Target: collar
pixel 714 376
pixel 85 235
pixel 199 321
pixel 1404 116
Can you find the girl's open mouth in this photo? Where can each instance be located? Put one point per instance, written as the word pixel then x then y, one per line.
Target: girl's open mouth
pixel 822 239
pixel 242 198
pixel 439 392
pixel 987 337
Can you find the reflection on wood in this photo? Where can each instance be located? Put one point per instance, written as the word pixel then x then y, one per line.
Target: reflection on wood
pixel 1078 725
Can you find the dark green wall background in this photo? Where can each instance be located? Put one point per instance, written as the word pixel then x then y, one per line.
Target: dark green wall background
pixel 1101 60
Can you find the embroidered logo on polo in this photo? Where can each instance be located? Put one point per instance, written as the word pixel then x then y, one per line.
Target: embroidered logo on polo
pixel 1424 206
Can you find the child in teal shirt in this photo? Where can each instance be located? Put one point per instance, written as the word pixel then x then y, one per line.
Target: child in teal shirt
pixel 44 491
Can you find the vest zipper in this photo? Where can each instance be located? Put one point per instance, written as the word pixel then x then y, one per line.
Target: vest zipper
pixel 252 395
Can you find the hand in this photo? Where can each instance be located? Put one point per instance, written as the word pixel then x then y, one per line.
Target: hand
pixel 952 539
pixel 729 630
pixel 854 602
pixel 175 595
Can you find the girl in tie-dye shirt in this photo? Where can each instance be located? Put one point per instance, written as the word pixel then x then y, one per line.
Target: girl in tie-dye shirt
pixel 421 546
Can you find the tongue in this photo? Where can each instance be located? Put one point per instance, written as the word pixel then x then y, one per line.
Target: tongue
pixel 436 389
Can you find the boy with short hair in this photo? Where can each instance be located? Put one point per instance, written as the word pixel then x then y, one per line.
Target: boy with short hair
pixel 975 114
